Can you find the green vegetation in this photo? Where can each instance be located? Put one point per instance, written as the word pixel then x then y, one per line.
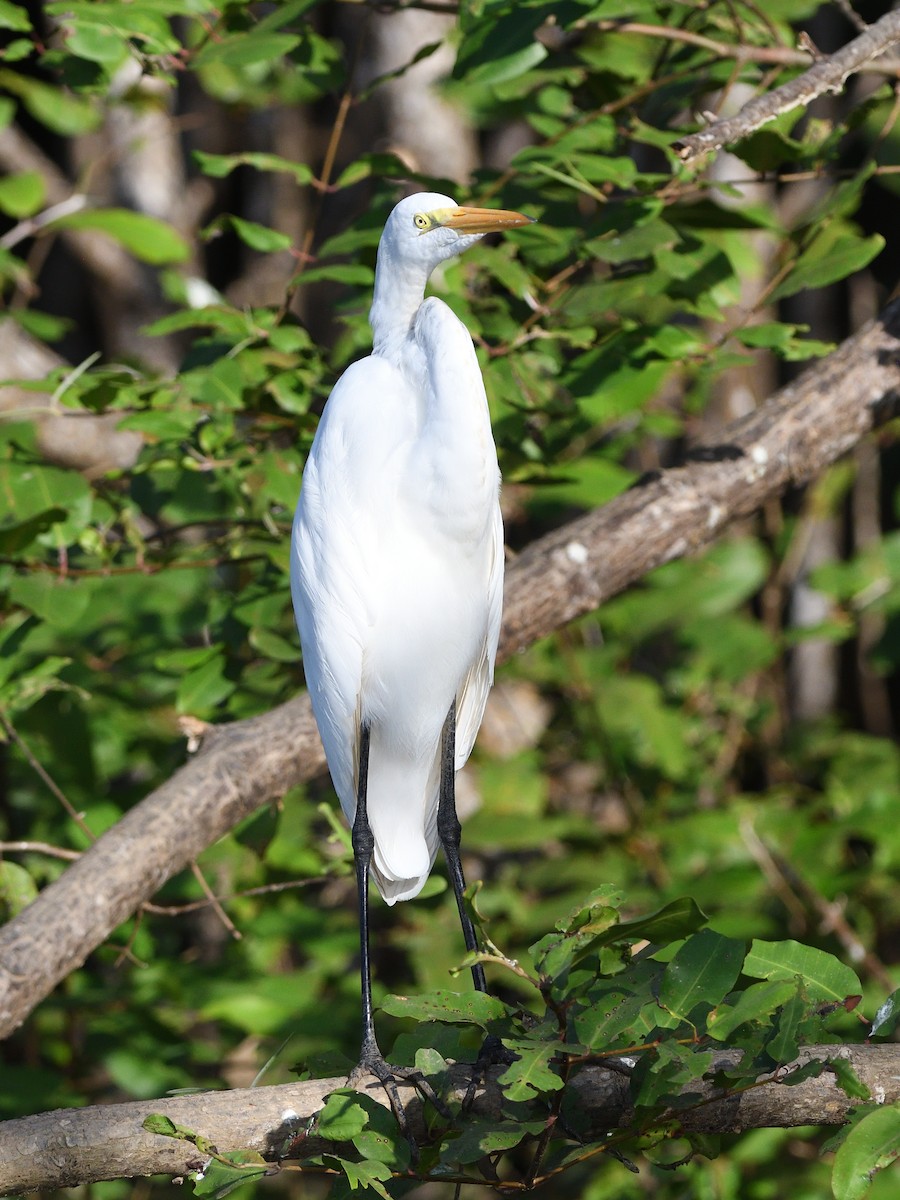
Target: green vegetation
pixel 719 865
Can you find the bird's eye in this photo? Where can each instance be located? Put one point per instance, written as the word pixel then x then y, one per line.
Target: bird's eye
pixel 421 222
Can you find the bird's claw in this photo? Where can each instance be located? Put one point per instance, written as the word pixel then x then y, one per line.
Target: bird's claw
pixel 374 1063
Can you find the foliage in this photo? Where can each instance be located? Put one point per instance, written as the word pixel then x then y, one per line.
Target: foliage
pixel 621 325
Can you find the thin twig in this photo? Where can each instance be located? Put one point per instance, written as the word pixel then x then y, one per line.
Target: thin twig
pixel 13 734
pixel 39 848
pixel 214 902
pixel 177 910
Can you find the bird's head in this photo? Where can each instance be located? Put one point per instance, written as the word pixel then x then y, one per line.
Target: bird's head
pixel 427 228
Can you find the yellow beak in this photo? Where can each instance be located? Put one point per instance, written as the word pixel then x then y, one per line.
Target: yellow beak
pixel 484 220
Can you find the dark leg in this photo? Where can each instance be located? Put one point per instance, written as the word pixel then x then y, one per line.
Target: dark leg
pixel 492 1051
pixel 450 833
pixel 363 844
pixel 371 1060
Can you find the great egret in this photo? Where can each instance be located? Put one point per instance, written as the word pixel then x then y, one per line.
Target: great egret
pixel 397 573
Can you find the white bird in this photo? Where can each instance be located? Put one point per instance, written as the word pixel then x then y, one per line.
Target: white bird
pixel 397 571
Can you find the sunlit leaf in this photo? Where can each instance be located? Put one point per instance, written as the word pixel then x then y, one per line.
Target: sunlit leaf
pixel 824 976
pixel 870 1147
pixel 146 237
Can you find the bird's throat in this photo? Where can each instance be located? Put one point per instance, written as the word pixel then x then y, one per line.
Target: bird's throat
pixel 399 290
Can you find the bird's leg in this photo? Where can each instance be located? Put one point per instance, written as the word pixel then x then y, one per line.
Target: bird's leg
pixel 450 834
pixel 492 1050
pixel 363 844
pixel 371 1060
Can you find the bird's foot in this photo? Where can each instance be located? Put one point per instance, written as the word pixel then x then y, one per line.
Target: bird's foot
pixel 492 1054
pixel 373 1062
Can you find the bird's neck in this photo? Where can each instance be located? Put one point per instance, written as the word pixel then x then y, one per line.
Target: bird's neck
pixel 399 290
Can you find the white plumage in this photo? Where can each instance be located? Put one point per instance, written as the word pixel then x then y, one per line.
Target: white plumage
pixel 397 563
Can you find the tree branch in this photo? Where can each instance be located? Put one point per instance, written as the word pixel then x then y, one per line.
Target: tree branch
pixel 828 75
pixel 76 1146
pixel 244 765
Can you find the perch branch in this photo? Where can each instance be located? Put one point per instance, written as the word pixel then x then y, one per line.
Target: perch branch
pixel 77 1146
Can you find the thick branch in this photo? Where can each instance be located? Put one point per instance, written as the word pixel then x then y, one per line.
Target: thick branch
pixel 798 433
pixel 828 75
pixel 77 1146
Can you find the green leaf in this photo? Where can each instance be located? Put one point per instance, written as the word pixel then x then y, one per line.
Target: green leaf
pixel 164 1126
pixel 22 195
pixel 27 687
pixel 17 890
pixel 13 16
pixel 202 689
pixel 476 1008
pixel 810 1070
pixel 824 977
pixel 32 490
pixel 104 32
pixel 160 1124
pixel 246 49
pixel 16 538
pixel 616 1009
pixel 342 1117
pixel 868 1148
pixel 54 107
pixel 674 921
pixel 59 602
pixel 161 425
pixel 369 1176
pixel 44 326
pixel 829 260
pixel 531 1073
pixel 783 339
pixel 98 43
pixel 702 972
pixel 273 646
pixel 848 1080
pixel 382 1139
pixel 553 955
pixel 785 1042
pixel 220 165
pixel 482 1137
pixel 147 238
pixel 259 237
pixel 501 49
pixel 755 1004
pixel 390 1148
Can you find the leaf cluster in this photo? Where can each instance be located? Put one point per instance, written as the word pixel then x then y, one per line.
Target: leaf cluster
pixel 140 600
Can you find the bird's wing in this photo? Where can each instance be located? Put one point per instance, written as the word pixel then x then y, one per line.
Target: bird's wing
pixel 477 684
pixel 458 431
pixel 334 553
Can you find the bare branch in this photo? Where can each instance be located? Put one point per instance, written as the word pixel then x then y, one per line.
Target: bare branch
pixel 242 766
pixel 827 75
pixel 77 1146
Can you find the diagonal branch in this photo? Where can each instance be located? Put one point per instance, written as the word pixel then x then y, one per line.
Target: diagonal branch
pixel 828 75
pixel 241 766
pixel 78 1146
